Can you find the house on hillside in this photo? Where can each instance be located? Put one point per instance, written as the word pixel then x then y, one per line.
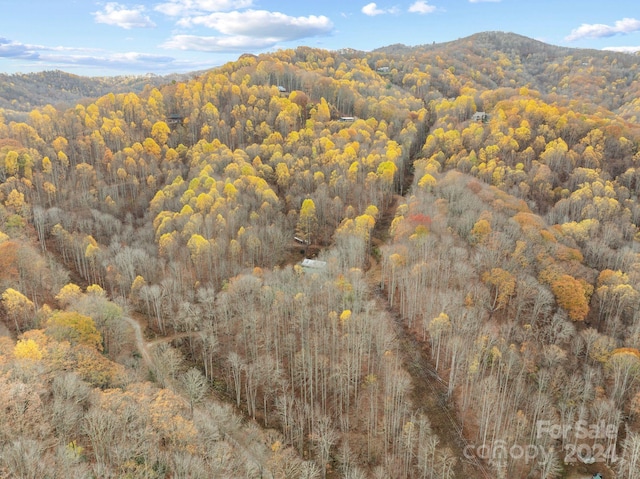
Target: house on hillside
pixel 480 116
pixel 174 119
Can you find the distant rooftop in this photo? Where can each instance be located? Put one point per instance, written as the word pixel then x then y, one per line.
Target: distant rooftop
pixel 312 265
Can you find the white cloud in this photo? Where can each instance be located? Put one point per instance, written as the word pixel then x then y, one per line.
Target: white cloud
pixel 422 7
pixel 121 16
pixel 599 30
pixel 623 49
pixel 247 30
pixel 179 8
pixel 263 24
pixel 236 43
pixel 11 49
pixel 69 58
pixel 372 10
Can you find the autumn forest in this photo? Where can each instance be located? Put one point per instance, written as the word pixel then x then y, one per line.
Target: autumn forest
pixel 469 305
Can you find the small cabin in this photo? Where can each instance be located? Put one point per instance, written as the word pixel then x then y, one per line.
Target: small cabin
pixel 480 116
pixel 282 89
pixel 347 119
pixel 174 119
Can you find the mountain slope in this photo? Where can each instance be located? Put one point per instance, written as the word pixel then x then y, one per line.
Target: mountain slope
pixel 24 92
pixel 492 60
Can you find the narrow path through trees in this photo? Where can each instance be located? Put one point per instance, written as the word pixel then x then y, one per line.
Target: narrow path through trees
pixel 429 390
pixel 141 345
pixel 238 440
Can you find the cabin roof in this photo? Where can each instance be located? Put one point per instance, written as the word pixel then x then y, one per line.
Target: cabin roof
pixel 313 264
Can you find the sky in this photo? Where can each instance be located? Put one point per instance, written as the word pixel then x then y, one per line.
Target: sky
pixel 106 38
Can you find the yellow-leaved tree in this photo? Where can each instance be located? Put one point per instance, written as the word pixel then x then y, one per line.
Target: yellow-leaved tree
pixel 307 221
pixel 68 294
pixel 74 327
pixel 27 349
pixel 502 285
pixel 20 308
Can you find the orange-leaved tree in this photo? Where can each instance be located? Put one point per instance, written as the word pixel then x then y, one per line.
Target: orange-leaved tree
pixel 572 295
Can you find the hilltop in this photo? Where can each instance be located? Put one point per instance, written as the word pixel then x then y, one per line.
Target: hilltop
pixel 493 60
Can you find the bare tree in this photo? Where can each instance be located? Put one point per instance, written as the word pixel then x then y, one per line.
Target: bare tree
pixel 325 436
pixel 236 366
pixel 195 386
pixel 629 464
pixel 24 459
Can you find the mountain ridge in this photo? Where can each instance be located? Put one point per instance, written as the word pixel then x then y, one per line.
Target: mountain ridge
pixel 19 93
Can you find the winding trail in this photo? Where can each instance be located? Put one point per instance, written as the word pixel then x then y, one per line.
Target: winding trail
pixel 141 345
pixel 238 440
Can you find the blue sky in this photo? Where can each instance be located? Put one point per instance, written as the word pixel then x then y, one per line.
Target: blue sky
pixel 98 38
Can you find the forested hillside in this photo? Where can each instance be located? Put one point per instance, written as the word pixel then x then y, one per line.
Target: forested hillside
pixel 20 93
pixel 495 60
pixel 472 210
